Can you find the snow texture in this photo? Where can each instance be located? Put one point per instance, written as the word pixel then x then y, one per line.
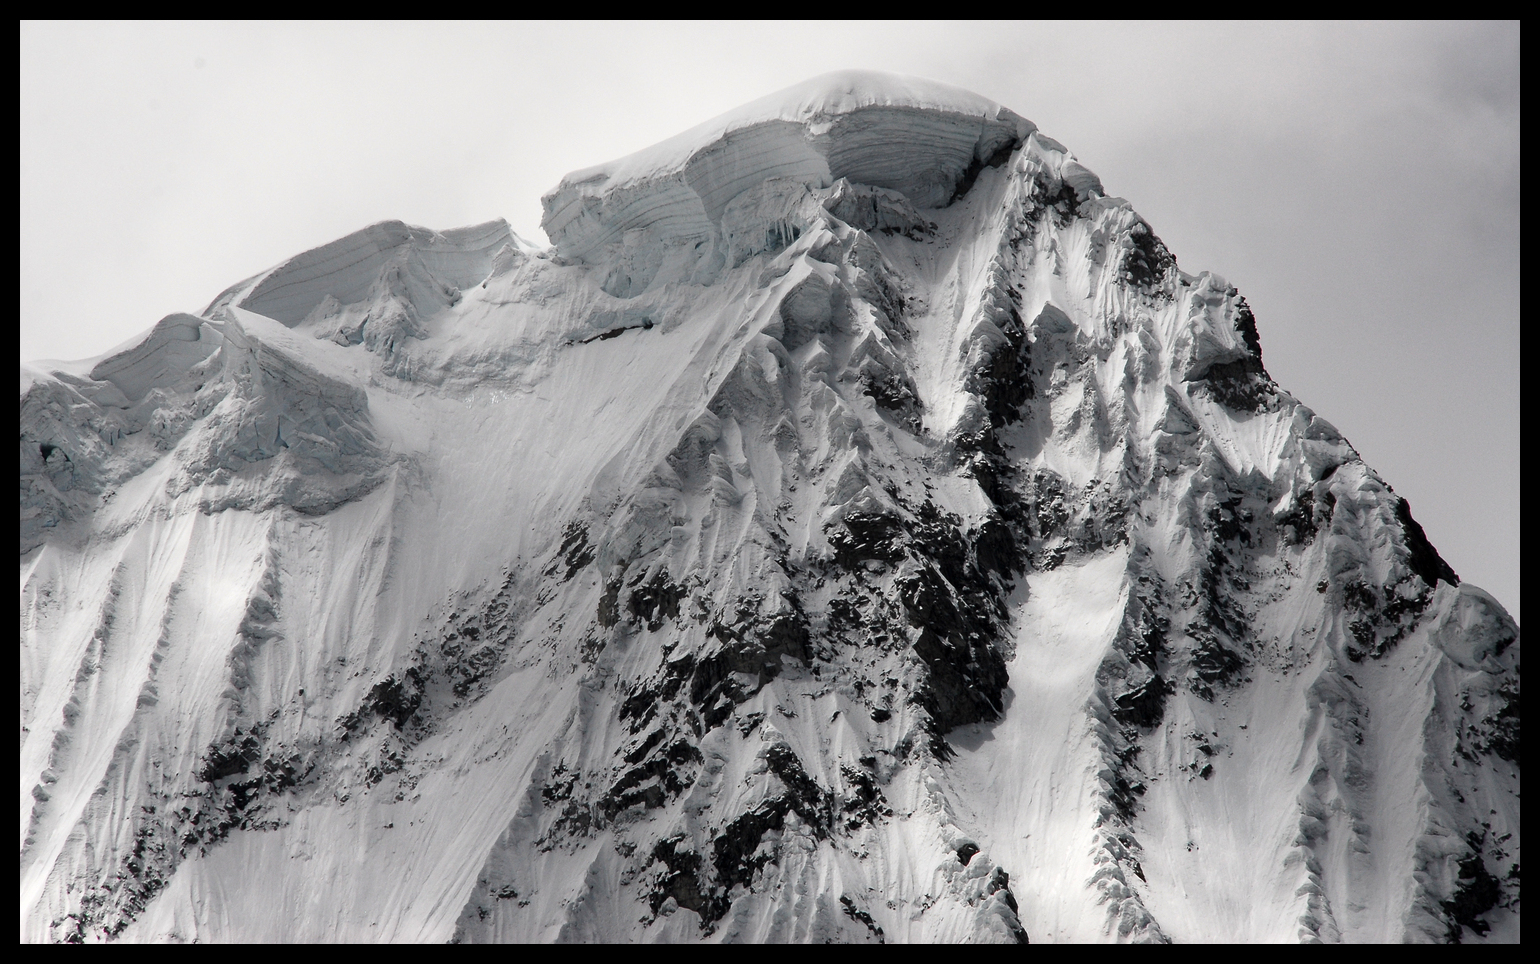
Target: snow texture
pixel 854 527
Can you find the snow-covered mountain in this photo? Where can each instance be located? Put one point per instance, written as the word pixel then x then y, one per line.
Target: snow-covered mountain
pixel 853 527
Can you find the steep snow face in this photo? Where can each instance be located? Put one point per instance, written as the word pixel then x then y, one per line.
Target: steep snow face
pixel 809 546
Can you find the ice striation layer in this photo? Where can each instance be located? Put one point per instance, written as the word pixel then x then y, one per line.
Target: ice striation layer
pixel 855 527
pixel 667 208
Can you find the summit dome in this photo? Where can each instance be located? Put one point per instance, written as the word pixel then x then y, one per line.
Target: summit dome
pixel 914 136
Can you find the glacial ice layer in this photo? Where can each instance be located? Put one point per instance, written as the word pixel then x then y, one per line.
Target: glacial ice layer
pixel 921 139
pixel 854 527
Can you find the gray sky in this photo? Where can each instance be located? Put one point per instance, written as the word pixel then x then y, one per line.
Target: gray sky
pixel 1358 183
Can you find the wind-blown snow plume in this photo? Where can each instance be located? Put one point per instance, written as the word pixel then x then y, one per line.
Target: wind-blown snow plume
pixel 854 527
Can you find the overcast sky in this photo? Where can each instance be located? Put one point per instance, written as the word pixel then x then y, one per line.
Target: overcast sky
pixel 1358 183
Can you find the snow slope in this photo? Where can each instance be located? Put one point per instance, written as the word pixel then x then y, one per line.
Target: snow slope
pixel 854 527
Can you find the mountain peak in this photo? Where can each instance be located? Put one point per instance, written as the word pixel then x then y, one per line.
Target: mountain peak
pixel 917 137
pixel 856 528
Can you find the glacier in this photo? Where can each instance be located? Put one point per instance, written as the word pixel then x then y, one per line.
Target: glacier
pixel 854 526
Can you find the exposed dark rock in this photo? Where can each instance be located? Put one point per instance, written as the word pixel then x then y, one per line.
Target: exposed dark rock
pixel 1100 520
pixel 1213 663
pixel 615 332
pixel 1500 731
pixel 388 760
pixel 996 550
pixel 680 878
pixel 608 611
pixel 736 852
pixel 1050 197
pixel 559 785
pixel 811 802
pixel 396 700
pixel 937 536
pixel 702 690
pixel 1246 324
pixel 230 758
pixel 1126 787
pixel 705 682
pixel 1402 608
pixel 893 393
pixel 1047 503
pixel 868 536
pixel 976 167
pixel 1230 520
pixel 1241 385
pixel 957 605
pixel 645 747
pixel 1144 636
pixel 1147 260
pixel 866 803
pixel 1220 582
pixel 1004 381
pixel 1000 883
pixel 656 601
pixel 575 550
pixel 1379 617
pixel 241 776
pixel 1476 893
pixel 965 682
pixel 1144 705
pixel 651 783
pixel 861 916
pixel 1425 560
pixel 784 633
pixel 750 723
pixel 1297 526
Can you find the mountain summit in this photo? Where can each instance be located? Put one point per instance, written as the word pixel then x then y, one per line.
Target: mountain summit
pixel 855 526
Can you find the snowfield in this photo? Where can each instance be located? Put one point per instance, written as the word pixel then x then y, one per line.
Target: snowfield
pixel 854 526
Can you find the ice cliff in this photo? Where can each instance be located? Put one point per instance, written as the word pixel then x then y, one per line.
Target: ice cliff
pixel 855 526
